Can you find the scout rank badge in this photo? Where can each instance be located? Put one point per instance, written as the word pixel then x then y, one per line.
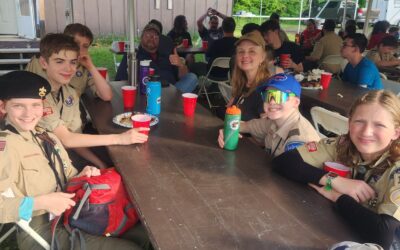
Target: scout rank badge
pixel 69 101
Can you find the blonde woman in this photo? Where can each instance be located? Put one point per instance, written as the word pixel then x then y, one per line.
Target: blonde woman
pixel 369 200
pixel 251 69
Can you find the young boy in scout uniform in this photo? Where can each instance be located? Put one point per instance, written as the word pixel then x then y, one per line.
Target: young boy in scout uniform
pixel 370 199
pixel 61 115
pixel 29 188
pixel 86 75
pixel 284 128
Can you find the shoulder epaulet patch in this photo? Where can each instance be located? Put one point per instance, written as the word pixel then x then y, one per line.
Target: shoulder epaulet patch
pixel 293 132
pixel 3 134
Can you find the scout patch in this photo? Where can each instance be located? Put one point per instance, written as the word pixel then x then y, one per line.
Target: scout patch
pixel 78 73
pixel 2 145
pixel 329 141
pixel 395 197
pixel 47 111
pixel 311 146
pixel 292 145
pixel 42 92
pixel 69 101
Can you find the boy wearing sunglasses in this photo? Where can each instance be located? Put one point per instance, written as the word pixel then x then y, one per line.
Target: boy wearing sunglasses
pixel 284 128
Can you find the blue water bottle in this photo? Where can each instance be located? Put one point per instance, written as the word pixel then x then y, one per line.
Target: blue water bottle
pixel 154 95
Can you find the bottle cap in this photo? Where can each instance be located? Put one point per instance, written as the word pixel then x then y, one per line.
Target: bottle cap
pixel 233 110
pixel 155 78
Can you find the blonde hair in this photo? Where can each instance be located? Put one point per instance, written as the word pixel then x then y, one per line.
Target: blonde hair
pixel 239 78
pixel 347 151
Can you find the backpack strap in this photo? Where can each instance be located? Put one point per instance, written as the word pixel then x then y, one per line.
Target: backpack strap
pixel 74 233
pixel 88 187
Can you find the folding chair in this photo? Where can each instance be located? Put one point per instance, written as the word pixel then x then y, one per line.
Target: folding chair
pixel 328 120
pixel 226 90
pixel 24 225
pixel 205 81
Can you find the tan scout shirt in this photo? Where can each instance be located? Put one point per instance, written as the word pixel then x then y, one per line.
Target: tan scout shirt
pixel 374 56
pixel 329 44
pixel 64 111
pixel 296 131
pixel 25 170
pixel 79 82
pixel 387 186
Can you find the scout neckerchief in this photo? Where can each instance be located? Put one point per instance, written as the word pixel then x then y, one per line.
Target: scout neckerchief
pixel 60 97
pixel 48 150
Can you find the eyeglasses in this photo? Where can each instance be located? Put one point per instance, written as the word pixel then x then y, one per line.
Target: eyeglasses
pixel 346 45
pixel 278 96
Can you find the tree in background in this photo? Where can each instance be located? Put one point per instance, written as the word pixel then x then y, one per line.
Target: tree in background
pixel 287 8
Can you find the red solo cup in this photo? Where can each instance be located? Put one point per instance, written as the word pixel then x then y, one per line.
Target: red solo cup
pixel 141 121
pixel 189 103
pixel 338 168
pixel 121 46
pixel 185 43
pixel 283 58
pixel 204 45
pixel 326 78
pixel 103 72
pixel 128 96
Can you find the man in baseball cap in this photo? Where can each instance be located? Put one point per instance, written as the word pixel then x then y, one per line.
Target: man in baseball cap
pixel 283 128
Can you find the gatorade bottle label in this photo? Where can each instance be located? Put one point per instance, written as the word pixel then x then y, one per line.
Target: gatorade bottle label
pixel 234 125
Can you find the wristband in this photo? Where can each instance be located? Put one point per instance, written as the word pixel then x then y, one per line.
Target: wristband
pixel 329 177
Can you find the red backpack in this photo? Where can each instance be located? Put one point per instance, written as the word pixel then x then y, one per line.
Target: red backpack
pixel 102 205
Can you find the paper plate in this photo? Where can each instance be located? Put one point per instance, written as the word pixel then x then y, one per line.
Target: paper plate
pixel 125 121
pixel 319 87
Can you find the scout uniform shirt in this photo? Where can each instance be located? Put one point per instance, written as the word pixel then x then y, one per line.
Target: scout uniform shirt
pixel 25 171
pixel 295 131
pixel 61 108
pixel 386 185
pixel 79 82
pixel 374 56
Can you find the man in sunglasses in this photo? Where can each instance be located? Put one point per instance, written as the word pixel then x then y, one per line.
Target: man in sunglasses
pixel 284 128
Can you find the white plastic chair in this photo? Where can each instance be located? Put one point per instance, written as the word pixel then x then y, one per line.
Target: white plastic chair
pixel 383 76
pixel 330 121
pixel 24 225
pixel 205 81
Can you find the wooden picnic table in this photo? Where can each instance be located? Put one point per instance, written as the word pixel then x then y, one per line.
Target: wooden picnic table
pixel 190 194
pixel 338 97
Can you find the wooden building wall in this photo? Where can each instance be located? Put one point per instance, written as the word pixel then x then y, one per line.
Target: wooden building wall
pixel 111 16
